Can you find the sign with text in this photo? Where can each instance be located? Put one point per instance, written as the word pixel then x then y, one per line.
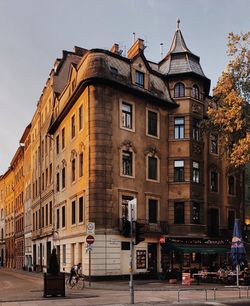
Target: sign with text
pixel 186 279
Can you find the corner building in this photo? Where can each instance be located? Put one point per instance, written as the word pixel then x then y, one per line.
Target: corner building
pixel 124 128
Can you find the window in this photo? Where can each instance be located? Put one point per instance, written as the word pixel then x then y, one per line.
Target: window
pixel 230 219
pixel 214 181
pixel 63 177
pixel 195 92
pixel 80 117
pixel 73 212
pixel 81 211
pixel 57 181
pixel 195 213
pixel 196 172
pixel 139 78
pixel 63 216
pixel 64 254
pixel 50 173
pixel 73 127
pixel 179 170
pixel 73 170
pixel 179 213
pixel 57 218
pixel 127 163
pixel 125 199
pixel 196 130
pixel 179 128
pixel 231 185
pixel 152 210
pixel 152 168
pixel 152 123
pixel 50 212
pixel 42 217
pixel 46 215
pixel 57 144
pixel 179 90
pixel 127 115
pixel 80 164
pixel 63 138
pixel 213 144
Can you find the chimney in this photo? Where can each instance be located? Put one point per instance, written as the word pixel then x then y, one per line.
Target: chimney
pixel 115 49
pixel 136 48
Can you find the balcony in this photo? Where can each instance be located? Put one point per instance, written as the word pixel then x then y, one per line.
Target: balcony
pixel 161 227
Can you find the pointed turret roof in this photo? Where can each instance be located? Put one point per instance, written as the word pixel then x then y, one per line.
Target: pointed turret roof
pixel 178 43
pixel 180 60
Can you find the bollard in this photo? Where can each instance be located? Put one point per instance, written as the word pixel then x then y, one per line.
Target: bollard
pixel 247 291
pixel 178 295
pixel 214 294
pixel 206 293
pixel 239 293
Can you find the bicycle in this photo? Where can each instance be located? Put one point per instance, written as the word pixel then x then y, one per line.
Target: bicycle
pixel 77 281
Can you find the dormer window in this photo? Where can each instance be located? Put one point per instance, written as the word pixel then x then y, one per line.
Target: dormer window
pixel 195 92
pixel 139 78
pixel 179 90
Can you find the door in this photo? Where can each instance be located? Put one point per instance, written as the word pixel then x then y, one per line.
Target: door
pixel 152 257
pixel 34 257
pixel 48 253
pixel 41 257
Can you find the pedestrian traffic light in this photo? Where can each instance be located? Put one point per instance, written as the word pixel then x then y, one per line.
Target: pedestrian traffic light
pixel 139 232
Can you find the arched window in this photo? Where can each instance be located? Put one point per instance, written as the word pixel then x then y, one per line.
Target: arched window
pixel 179 90
pixel 195 92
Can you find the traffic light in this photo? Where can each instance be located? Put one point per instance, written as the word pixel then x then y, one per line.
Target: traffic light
pixel 139 232
pixel 125 227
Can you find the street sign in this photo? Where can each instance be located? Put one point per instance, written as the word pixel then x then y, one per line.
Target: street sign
pixel 90 239
pixel 91 228
pixel 132 211
pixel 89 248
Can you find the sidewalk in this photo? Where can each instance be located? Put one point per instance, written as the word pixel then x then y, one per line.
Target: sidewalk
pixel 117 293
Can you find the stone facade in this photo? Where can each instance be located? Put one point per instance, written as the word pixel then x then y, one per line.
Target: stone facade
pixel 108 129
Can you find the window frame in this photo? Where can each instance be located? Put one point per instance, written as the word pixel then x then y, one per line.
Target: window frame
pixel 195 129
pixel 179 90
pixel 79 210
pixel 73 127
pixel 122 173
pixel 132 119
pixel 157 213
pixel 214 187
pixel 231 188
pixel 157 179
pixel 149 110
pixel 213 139
pixel 139 78
pixel 63 138
pixel 73 213
pixel 179 171
pixel 196 175
pixel 195 92
pixel 179 128
pixel 196 204
pixel 64 216
pixel 80 118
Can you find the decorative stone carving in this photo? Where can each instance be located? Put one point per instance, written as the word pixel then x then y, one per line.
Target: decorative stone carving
pixel 152 151
pixel 197 148
pixel 127 145
pixel 196 108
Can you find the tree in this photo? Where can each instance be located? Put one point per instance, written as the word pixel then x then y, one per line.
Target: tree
pixel 229 109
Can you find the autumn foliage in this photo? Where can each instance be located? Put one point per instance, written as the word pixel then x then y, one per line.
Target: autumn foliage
pixel 228 110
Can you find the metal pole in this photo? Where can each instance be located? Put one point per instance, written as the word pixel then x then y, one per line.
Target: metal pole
pixel 237 275
pixel 89 267
pixel 131 283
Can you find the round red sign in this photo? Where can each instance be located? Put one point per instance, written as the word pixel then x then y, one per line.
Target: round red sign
pixel 90 239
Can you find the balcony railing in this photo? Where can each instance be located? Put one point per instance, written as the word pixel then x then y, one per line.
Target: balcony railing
pixel 160 227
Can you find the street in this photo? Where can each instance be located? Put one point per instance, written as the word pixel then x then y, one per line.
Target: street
pixel 24 288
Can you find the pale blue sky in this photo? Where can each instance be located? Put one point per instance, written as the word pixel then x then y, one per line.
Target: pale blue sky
pixel 33 33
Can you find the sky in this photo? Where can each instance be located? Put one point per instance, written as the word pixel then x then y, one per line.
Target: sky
pixel 33 34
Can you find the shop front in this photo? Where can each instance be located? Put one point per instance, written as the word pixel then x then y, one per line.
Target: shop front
pixel 192 255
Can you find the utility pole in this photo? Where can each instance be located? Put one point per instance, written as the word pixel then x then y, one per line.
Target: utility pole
pixel 132 218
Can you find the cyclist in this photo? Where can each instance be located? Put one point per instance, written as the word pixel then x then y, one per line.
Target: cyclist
pixel 75 271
